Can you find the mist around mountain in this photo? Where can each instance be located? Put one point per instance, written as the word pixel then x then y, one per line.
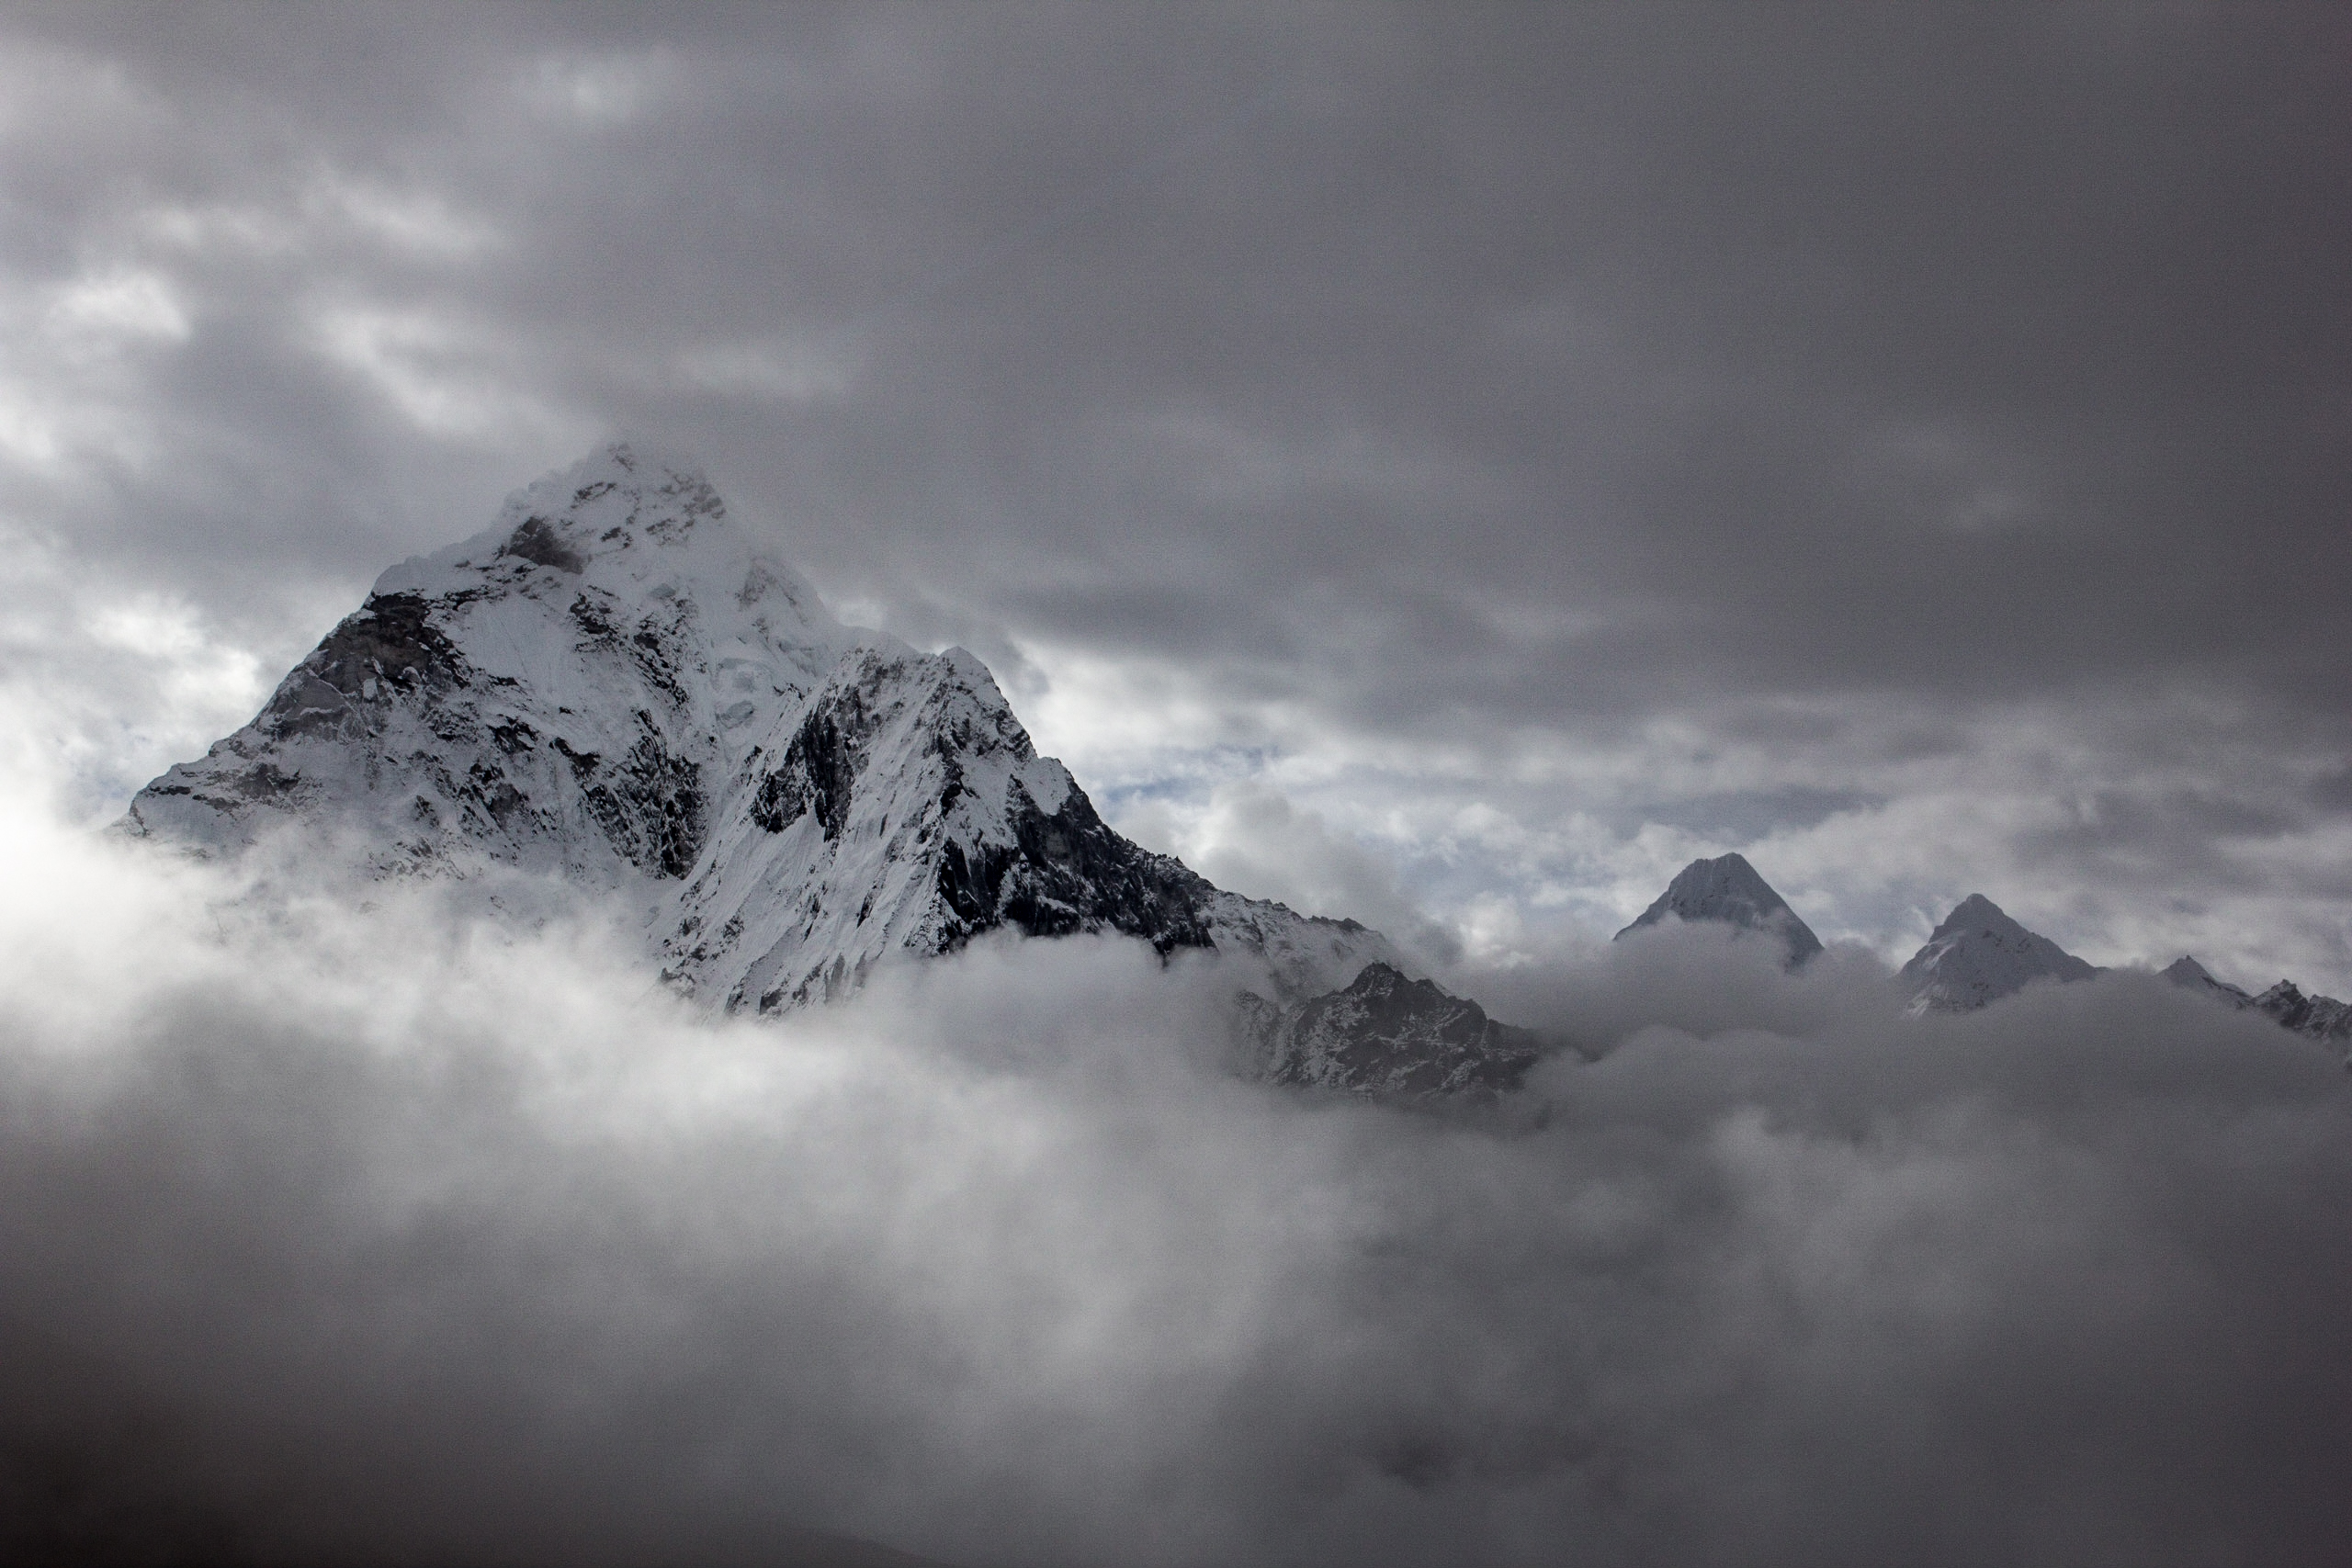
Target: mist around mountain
pixel 407 1232
pixel 610 694
pixel 610 687
pixel 442 1186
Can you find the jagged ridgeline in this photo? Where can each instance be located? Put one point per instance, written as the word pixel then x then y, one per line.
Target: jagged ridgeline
pixel 1976 956
pixel 613 686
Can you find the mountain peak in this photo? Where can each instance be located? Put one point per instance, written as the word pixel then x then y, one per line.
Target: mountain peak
pixel 612 684
pixel 627 521
pixel 1979 954
pixel 1729 890
pixel 2189 974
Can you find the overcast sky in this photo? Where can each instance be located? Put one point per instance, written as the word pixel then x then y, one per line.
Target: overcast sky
pixel 1442 465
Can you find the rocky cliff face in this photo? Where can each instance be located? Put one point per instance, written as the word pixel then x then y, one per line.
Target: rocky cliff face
pixel 1396 1037
pixel 612 687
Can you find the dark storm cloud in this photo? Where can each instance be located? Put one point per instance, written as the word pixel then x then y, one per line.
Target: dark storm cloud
pixel 1433 374
pixel 1917 439
pixel 349 1238
pixel 1950 349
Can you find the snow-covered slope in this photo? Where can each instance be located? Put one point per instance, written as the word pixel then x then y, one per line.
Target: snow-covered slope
pixel 904 810
pixel 1979 955
pixel 1729 889
pixel 2192 976
pixel 1399 1038
pixel 611 686
pixel 562 692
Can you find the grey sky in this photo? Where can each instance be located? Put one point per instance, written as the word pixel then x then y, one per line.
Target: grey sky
pixel 1530 448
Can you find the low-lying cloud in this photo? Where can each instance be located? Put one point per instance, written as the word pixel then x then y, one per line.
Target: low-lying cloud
pixel 332 1234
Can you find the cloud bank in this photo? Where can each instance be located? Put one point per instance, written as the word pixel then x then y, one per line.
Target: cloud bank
pixel 332 1234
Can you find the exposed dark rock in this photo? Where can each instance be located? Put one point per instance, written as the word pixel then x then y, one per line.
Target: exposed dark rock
pixel 592 613
pixel 390 645
pixel 1391 1036
pixel 536 542
pixel 819 770
pixel 1070 873
pixel 650 804
pixel 514 737
pixel 2321 1017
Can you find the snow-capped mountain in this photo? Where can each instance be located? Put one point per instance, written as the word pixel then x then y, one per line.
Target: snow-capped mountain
pixel 1729 889
pixel 561 693
pixel 1979 955
pixel 611 686
pixel 611 689
pixel 1396 1037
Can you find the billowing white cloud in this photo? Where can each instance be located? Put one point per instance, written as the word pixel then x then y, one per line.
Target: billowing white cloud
pixel 361 1231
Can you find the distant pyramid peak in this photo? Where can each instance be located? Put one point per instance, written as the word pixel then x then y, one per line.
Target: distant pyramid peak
pixel 2186 972
pixel 1979 954
pixel 1729 890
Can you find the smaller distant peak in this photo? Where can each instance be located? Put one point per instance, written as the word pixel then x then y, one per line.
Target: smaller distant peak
pixel 2186 972
pixel 1723 871
pixel 1979 954
pixel 1976 912
pixel 1729 890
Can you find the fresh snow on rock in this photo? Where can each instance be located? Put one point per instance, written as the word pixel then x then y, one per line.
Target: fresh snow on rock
pixel 611 686
pixel 558 692
pixel 1979 955
pixel 1729 890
